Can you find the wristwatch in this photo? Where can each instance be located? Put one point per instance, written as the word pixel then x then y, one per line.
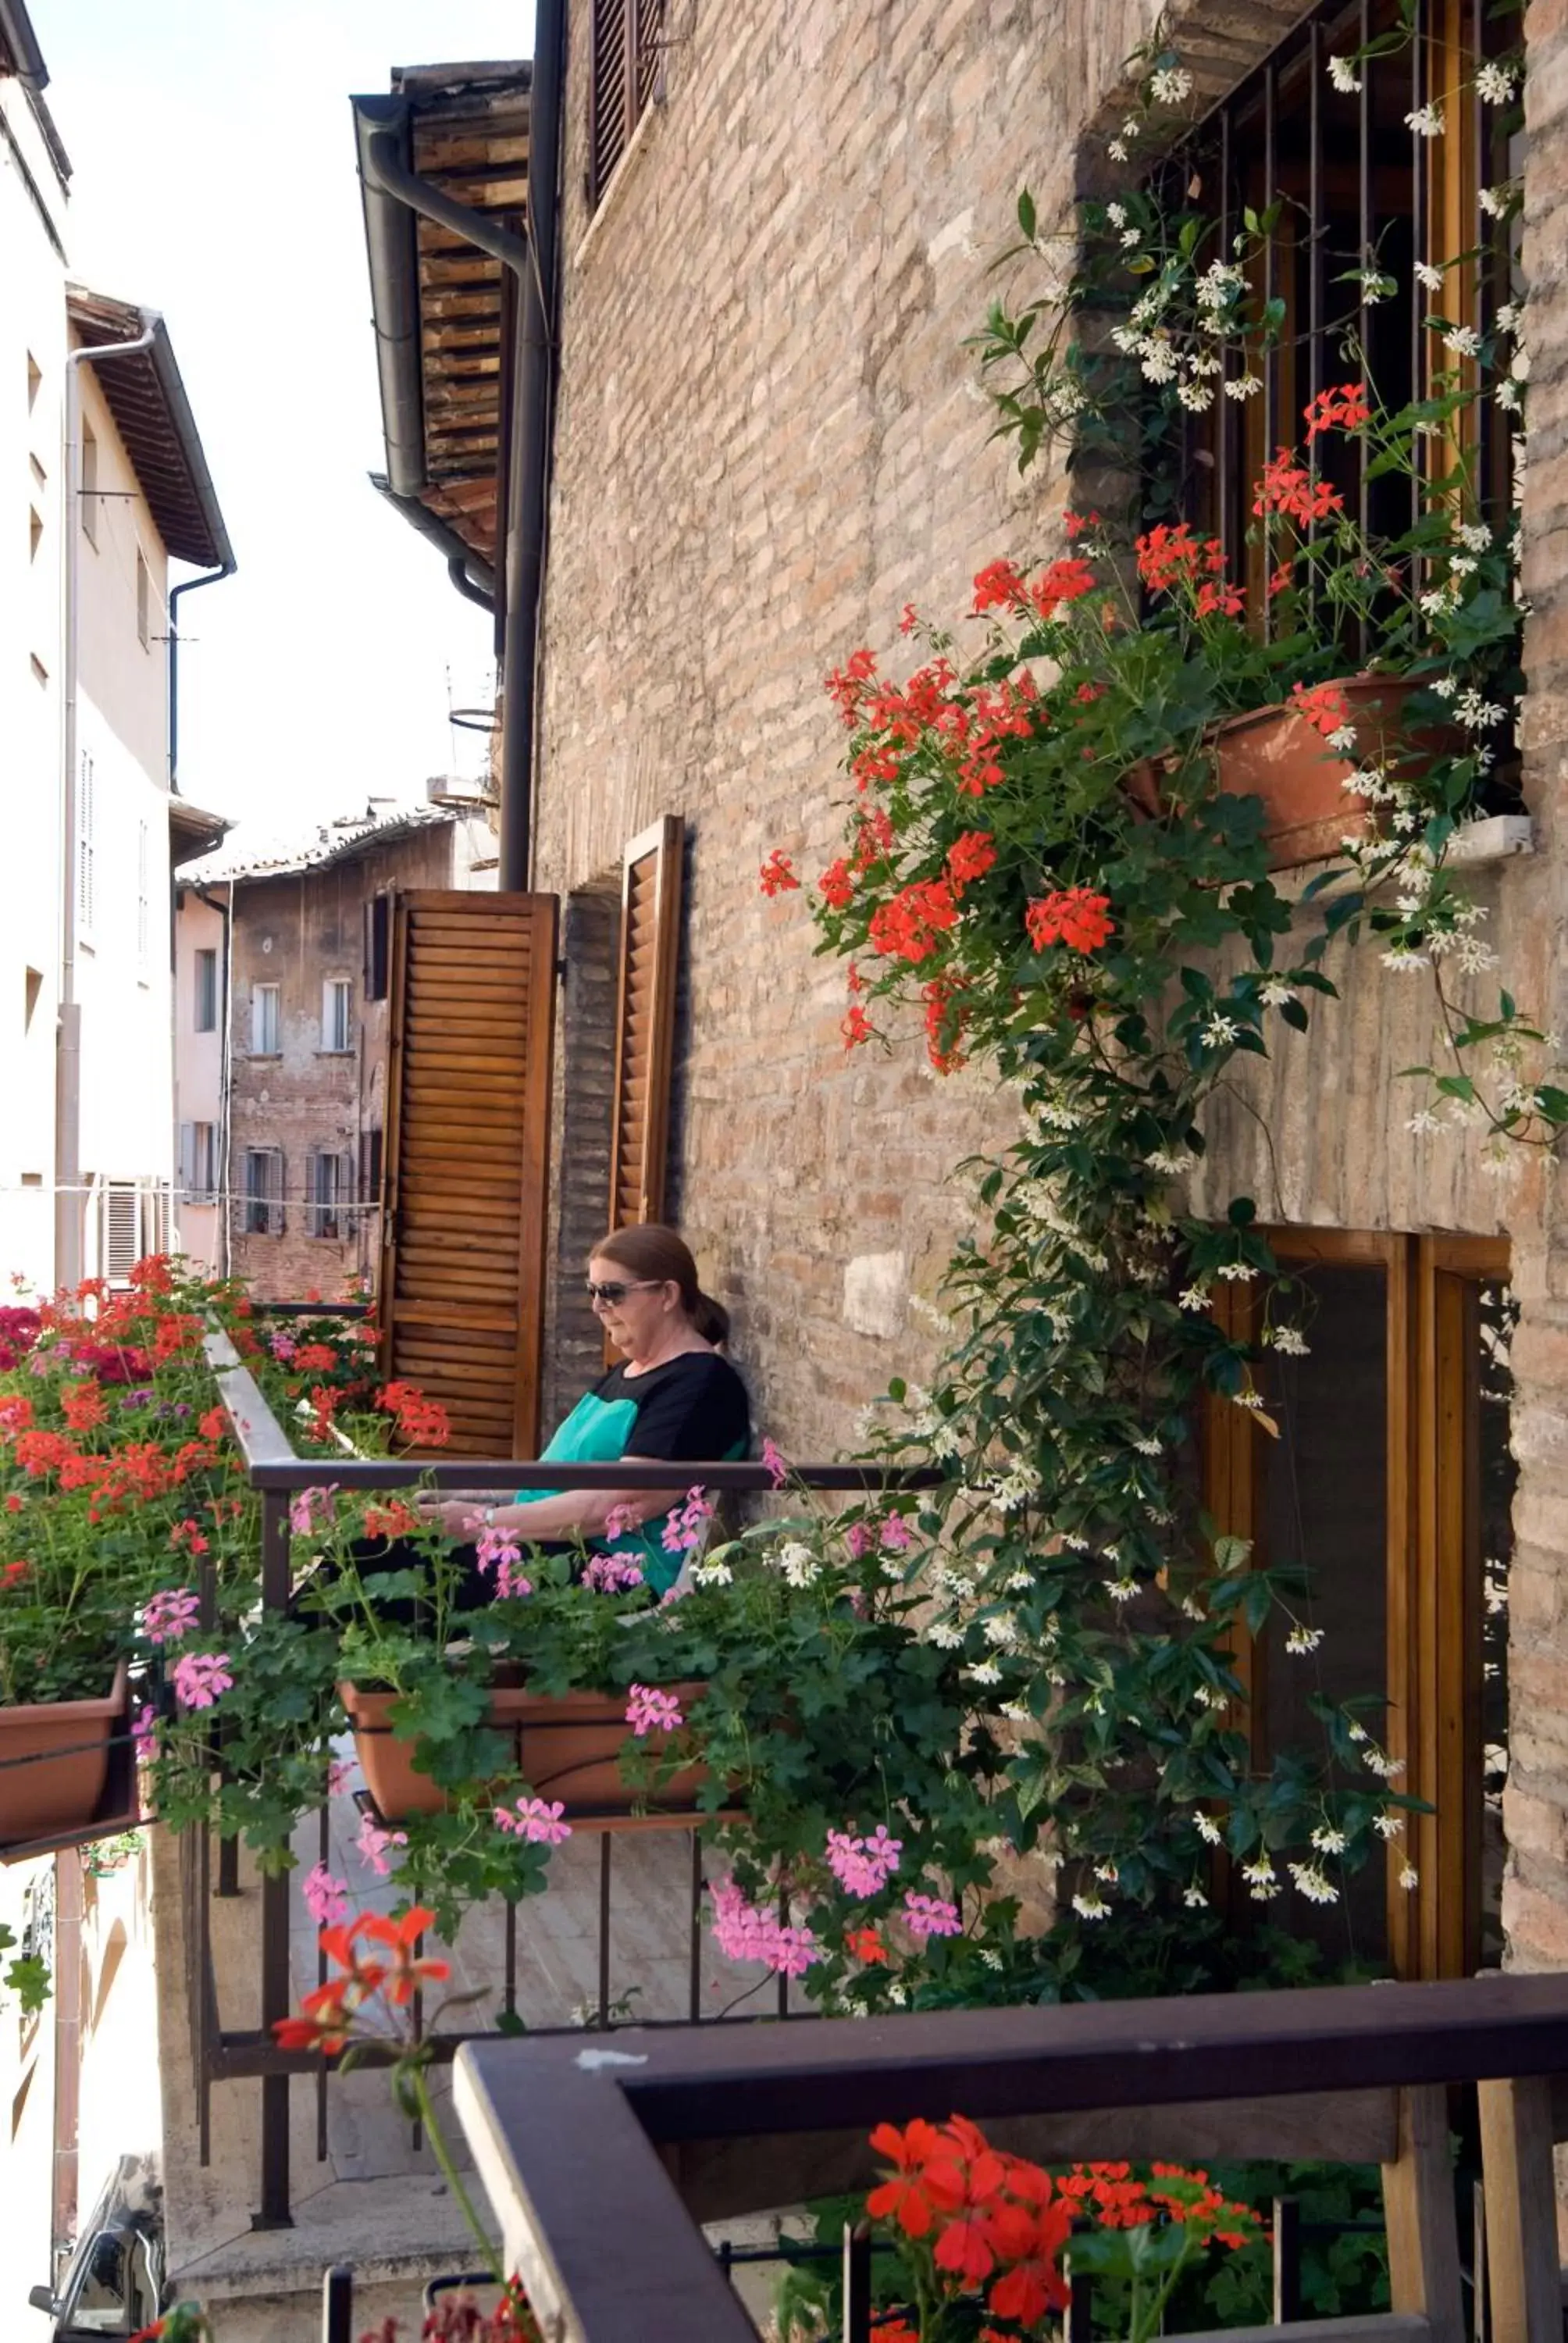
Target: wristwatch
pixel 490 1517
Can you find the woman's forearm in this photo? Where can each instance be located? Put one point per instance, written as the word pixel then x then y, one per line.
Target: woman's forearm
pixel 580 1512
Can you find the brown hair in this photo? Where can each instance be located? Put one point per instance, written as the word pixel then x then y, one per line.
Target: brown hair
pixel 649 1250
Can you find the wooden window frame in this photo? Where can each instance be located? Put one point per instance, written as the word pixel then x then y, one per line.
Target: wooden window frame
pixel 256 1021
pixel 262 1204
pixel 1433 1726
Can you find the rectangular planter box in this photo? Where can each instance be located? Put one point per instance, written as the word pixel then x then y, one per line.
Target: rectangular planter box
pixel 65 1744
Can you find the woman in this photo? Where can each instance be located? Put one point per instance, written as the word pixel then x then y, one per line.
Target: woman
pixel 672 1400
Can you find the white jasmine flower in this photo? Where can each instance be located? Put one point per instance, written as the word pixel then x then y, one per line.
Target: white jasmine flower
pixel 1247 1398
pixel 1387 1769
pixel 1313 1885
pixel 1108 1872
pixel 1430 277
pixel 1170 86
pixel 1426 122
pixel 1195 1297
pixel 1303 1639
pixel 1193 1609
pixel 1117 150
pixel 1121 1590
pixel 1117 215
pixel 1509 315
pixel 1344 76
pixel 1262 1880
pixel 1342 739
pixel 1329 1841
pixel 1389 1823
pixel 1150 1447
pixel 945 1633
pixel 1494 83
pixel 1002 1629
pixel 1243 385
pixel 1424 1121
pixel 1015 1713
pixel 1130 236
pixel 1236 1272
pixel 711 1573
pixel 1289 1340
pixel 1446 686
pixel 1207 1829
pixel 1194 1897
pixel 1158 363
pixel 1209 1696
pixel 1478 713
pixel 1410 1878
pixel 1173 1164
pixel 984 1672
pixel 1494 201
pixel 1474 536
pixel 1402 960
pixel 1463 341
pixel 1507 392
pixel 1275 994
pixel 1356 1732
pixel 799 1565
pixel 1219 1032
pixel 1091 1907
pixel 1195 396
pixel 990 1957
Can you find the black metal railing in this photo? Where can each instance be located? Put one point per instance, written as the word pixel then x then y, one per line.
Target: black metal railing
pixel 277 1472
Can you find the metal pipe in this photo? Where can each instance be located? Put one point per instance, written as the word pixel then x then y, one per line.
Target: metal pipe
pixel 187 586
pixel 69 1215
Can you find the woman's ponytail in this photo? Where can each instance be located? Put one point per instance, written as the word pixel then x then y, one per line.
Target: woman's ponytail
pixel 710 1319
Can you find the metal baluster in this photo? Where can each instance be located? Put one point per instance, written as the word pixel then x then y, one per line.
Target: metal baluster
pixel 694 2002
pixel 276 1983
pixel 509 1986
pixel 1287 2260
pixel 857 2283
pixel 338 2305
pixel 783 1974
pixel 1224 485
pixel 604 1846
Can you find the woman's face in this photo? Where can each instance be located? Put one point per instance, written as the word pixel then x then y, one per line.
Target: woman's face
pixel 643 1313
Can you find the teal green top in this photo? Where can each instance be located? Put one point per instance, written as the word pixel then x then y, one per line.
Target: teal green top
pixel 692 1409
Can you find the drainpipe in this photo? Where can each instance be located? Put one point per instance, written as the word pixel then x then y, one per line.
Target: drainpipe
pixel 534 270
pixel 188 585
pixel 69 1210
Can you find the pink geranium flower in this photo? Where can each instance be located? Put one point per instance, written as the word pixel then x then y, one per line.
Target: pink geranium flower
pixel 373 1842
pixel 325 1899
pixel 648 1711
pixel 305 1506
pixel 743 1931
pixel 685 1529
pixel 169 1617
pixel 611 1573
pixel 538 1820
pixel 863 1866
pixel 931 1915
pixel 200 1677
pixel 144 1735
pixel 776 1464
pixel 895 1534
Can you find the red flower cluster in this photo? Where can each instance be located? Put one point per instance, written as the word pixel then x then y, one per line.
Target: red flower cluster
pixel 1287 487
pixel 423 1423
pixel 326 2018
pixel 1001 584
pixel 83 1406
pixel 1344 410
pixel 969 858
pixel 776 876
pixel 995 2218
pixel 1118 2199
pixel 909 926
pixel 1324 707
pixel 1170 557
pixel 1074 916
pixel 846 684
pixel 19 1330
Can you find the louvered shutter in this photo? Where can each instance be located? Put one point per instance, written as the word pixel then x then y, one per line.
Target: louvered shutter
pixel 120 1237
pixel 623 81
pixel 645 1022
pixel 472 995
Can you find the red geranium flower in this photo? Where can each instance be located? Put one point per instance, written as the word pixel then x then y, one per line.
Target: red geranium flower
pixel 776 876
pixel 1074 916
pixel 1344 410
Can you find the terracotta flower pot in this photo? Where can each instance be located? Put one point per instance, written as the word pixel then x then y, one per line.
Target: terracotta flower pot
pixel 566 1747
pixel 1275 754
pixel 56 1792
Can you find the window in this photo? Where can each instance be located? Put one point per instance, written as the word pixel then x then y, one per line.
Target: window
pixel 144 600
pixel 370 1167
pixel 1358 195
pixel 1391 1483
pixel 198 1161
pixel 89 484
pixel 261 1211
pixel 377 939
pixel 144 899
pixel 264 1023
pixel 133 1221
pixel 336 1015
pixel 622 84
pixel 331 1189
pixel 206 993
pixel 86 845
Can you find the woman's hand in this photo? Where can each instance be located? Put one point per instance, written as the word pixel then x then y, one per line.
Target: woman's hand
pixel 461 1517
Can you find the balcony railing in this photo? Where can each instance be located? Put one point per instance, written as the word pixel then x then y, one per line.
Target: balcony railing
pixel 273 1467
pixel 701 2125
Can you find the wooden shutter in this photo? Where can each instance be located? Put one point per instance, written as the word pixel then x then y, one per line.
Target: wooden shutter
pixel 645 1022
pixel 623 79
pixel 472 999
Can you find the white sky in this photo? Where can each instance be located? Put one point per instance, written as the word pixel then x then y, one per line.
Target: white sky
pixel 214 179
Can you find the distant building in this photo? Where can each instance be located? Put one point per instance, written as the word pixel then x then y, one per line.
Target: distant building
pixel 282 971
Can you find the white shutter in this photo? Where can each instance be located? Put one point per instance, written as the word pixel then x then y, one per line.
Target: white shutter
pixel 119 1246
pixel 187 1161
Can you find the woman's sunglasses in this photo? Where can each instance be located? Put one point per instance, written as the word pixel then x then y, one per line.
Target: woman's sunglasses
pixel 613 1290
